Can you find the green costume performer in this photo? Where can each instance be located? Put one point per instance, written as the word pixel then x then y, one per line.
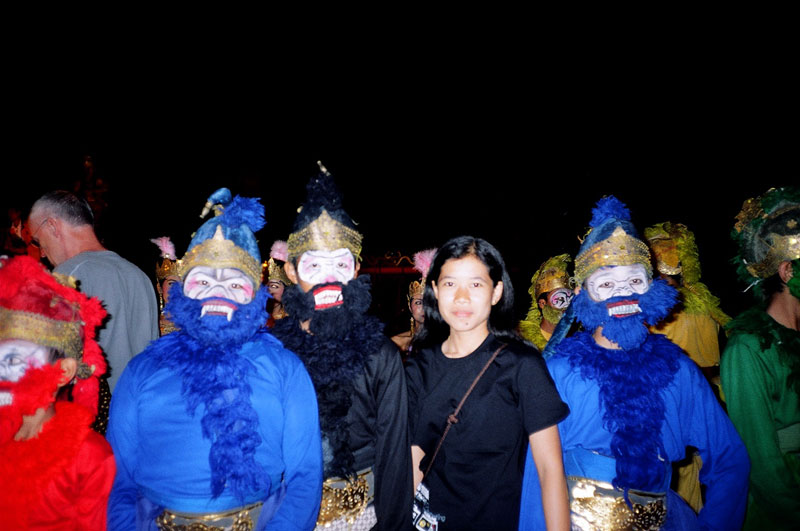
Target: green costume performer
pixel 760 368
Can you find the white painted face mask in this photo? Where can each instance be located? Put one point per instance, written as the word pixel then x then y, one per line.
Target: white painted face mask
pixel 324 267
pixel 220 286
pixel 618 281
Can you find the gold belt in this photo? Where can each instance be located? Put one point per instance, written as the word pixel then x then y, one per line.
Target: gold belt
pixel 598 505
pixel 346 498
pixel 239 519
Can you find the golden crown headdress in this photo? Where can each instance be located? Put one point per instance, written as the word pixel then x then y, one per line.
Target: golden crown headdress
pixel 228 239
pixel 610 242
pixel 767 230
pixel 322 224
pixel 550 276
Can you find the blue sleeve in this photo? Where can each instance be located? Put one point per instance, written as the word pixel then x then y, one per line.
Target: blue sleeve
pixel 302 454
pixel 726 465
pixel 122 435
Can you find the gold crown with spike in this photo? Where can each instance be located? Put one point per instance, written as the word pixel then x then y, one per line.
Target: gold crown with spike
pixel 275 272
pixel 219 252
pixel 618 249
pixel 166 267
pixel 324 234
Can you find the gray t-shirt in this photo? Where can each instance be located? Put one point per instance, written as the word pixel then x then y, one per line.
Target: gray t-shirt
pixel 129 298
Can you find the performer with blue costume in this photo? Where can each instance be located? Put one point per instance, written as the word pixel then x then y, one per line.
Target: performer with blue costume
pixel 216 424
pixel 636 400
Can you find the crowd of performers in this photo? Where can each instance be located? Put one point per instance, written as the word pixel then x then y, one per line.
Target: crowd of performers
pixel 273 399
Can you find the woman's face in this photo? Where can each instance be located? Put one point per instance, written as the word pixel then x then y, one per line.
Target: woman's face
pixel 465 294
pixel 167 284
pixel 275 288
pixel 417 309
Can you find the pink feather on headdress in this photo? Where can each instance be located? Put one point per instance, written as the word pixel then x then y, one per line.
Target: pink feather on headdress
pixel 279 251
pixel 423 260
pixel 166 246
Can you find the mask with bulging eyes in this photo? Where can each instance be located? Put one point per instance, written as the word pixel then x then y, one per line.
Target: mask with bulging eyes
pixel 218 287
pixel 559 298
pixel 618 281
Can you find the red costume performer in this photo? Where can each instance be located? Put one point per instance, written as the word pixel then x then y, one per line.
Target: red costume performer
pixel 55 472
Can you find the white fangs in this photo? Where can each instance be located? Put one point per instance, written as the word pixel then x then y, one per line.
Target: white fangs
pixel 217 309
pixel 5 398
pixel 624 309
pixel 325 298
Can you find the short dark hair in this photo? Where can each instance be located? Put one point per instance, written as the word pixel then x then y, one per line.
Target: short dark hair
pixel 66 206
pixel 435 330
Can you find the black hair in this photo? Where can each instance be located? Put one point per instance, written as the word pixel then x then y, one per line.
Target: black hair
pixel 772 286
pixel 67 206
pixel 435 330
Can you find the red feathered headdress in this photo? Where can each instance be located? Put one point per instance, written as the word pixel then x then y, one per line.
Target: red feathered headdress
pixel 38 307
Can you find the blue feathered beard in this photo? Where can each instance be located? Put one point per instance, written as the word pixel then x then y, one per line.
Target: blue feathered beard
pixel 630 331
pixel 631 379
pixel 205 352
pixel 631 398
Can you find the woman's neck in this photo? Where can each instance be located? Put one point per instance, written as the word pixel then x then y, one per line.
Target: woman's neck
pixel 462 344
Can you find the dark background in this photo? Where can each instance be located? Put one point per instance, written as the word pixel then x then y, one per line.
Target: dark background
pixel 515 152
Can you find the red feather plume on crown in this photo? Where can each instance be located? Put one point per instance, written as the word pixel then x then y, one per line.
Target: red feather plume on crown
pixel 38 307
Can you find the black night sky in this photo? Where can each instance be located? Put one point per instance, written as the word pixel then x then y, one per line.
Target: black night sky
pixel 519 161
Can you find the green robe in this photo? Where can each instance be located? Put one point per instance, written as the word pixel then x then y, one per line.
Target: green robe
pixel 757 371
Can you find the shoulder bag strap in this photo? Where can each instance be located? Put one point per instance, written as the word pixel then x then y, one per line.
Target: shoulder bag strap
pixel 453 417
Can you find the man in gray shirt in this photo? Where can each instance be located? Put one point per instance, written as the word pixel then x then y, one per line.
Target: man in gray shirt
pixel 63 226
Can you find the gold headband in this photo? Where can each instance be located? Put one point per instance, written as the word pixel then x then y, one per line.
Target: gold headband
pixel 783 248
pixel 219 252
pixel 324 234
pixel 618 249
pixel 62 335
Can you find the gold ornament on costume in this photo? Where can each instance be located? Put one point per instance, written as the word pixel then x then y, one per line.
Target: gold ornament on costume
pixel 324 234
pixel 166 268
pixel 416 289
pixel 275 272
pixel 219 253
pixel 618 249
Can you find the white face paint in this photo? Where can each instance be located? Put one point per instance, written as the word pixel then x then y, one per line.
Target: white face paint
pixel 16 355
pixel 617 281
pixel 323 267
pixel 560 298
pixel 231 284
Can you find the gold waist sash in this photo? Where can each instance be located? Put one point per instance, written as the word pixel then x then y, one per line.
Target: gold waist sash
pixel 346 498
pixel 597 505
pixel 238 519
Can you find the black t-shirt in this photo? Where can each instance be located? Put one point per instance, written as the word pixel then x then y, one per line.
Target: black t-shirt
pixel 476 479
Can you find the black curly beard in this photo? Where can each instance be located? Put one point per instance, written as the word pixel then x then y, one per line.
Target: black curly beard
pixel 329 323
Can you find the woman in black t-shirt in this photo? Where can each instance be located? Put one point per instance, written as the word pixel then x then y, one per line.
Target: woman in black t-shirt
pixel 475 481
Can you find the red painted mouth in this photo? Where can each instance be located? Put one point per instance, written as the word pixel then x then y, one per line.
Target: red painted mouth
pixel 327 297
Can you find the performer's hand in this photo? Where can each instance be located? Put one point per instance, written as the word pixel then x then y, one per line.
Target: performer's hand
pixel 31 425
